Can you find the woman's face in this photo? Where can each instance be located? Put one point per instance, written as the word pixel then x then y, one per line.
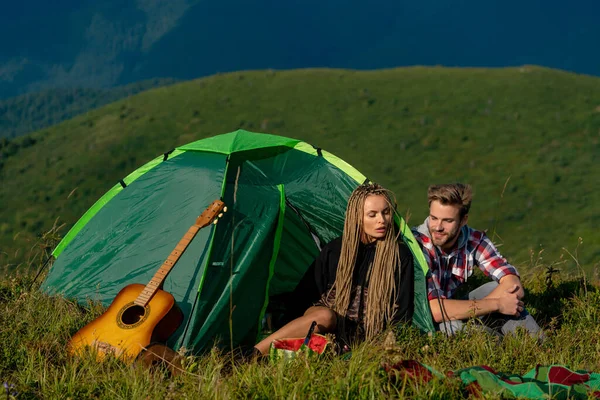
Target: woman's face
pixel 377 218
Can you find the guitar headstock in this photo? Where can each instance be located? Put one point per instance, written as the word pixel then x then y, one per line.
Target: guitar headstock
pixel 213 211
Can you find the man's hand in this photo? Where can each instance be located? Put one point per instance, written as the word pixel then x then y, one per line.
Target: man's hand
pixel 507 283
pixel 511 280
pixel 505 299
pixel 509 303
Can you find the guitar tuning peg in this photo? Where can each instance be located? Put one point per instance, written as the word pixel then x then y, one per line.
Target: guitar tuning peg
pixel 215 222
pixel 225 209
pixel 220 215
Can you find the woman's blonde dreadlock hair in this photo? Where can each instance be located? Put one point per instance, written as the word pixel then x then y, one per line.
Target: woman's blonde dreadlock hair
pixel 381 277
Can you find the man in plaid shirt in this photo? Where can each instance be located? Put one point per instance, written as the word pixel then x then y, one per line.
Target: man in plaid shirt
pixel 452 249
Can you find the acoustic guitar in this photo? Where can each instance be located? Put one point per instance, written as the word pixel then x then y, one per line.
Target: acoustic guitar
pixel 140 315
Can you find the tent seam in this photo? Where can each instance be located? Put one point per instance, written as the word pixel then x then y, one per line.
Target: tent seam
pixel 209 253
pixel 276 245
pixel 419 260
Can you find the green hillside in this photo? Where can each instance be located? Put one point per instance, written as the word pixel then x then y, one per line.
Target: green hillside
pixel 32 111
pixel 406 128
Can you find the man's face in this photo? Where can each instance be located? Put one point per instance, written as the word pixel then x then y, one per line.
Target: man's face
pixel 445 224
pixel 377 217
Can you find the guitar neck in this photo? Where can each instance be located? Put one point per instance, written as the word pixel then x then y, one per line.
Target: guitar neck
pixel 159 277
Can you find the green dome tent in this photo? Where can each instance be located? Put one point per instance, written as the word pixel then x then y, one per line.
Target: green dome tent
pixel 285 198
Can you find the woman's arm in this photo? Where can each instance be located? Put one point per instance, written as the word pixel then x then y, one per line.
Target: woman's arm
pixel 405 292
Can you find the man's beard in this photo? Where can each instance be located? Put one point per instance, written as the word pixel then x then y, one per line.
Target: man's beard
pixel 447 238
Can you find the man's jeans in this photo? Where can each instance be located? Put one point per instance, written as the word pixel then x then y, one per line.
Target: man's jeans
pixel 495 323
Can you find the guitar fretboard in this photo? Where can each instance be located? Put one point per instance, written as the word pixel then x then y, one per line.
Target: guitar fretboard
pixel 157 280
pixel 209 215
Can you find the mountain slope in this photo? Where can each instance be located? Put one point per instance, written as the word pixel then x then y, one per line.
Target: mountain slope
pixel 534 129
pixel 115 42
pixel 34 111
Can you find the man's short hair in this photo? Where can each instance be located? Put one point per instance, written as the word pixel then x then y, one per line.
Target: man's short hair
pixel 455 194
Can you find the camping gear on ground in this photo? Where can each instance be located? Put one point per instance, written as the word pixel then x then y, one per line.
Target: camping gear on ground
pixel 285 198
pixel 542 382
pixel 140 315
pixel 287 349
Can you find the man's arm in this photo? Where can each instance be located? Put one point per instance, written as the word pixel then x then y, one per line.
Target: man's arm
pixel 505 283
pixel 505 302
pixel 494 265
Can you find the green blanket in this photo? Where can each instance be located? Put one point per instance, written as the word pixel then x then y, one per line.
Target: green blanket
pixel 555 381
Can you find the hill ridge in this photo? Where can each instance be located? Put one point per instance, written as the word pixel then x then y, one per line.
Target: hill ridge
pixel 405 128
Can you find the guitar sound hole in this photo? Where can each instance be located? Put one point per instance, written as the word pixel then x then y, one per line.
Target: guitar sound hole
pixel 133 315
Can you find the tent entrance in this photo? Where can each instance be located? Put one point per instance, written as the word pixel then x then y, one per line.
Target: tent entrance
pixel 261 249
pixel 297 250
pixel 229 304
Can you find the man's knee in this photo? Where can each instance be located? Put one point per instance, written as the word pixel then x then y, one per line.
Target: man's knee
pixel 526 322
pixel 483 290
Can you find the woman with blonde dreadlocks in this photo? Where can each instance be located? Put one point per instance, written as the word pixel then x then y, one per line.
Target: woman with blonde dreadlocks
pixel 360 282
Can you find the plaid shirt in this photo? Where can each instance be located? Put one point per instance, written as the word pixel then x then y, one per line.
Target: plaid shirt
pixel 448 271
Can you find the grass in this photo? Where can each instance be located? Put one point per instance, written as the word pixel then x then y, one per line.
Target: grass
pixel 35 329
pixel 529 133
